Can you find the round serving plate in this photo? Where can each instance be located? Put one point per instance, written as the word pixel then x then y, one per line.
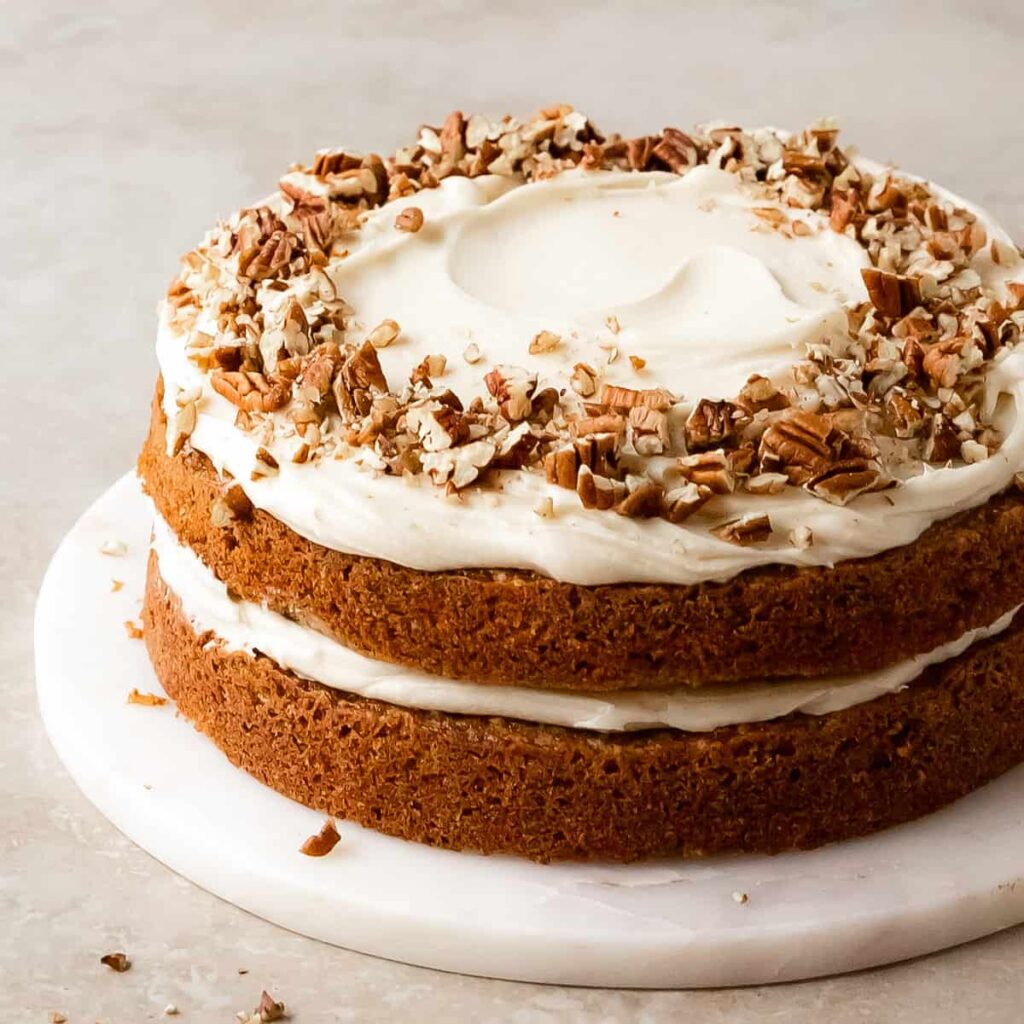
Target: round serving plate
pixel 743 920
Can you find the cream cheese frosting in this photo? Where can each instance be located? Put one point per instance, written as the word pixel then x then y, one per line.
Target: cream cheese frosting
pixel 680 268
pixel 246 626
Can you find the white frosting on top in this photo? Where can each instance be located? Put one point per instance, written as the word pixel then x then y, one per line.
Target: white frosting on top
pixel 702 292
pixel 245 626
pixel 702 288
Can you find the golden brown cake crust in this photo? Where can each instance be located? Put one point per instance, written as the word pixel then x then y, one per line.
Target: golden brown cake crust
pixel 503 786
pixel 518 627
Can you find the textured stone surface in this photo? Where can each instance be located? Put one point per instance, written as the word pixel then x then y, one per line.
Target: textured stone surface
pixel 127 129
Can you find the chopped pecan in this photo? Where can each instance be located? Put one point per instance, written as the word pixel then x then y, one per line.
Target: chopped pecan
pixel 942 362
pixel 355 184
pixel 766 483
pixel 429 367
pixel 598 491
pixel 676 150
pixel 437 426
pixel 359 374
pixel 598 452
pixel 885 194
pixel 648 430
pixel 682 501
pixel 304 203
pixel 584 380
pixel 116 962
pixel 802 164
pixel 844 480
pixel 943 442
pixel 318 374
pixel 711 424
pixel 265 464
pixel 269 1009
pixel 272 258
pixel 512 387
pixel 709 469
pixel 376 166
pixel 749 529
pixel 645 501
pixel 904 414
pixel 545 341
pixel 459 467
pixel 545 507
pixel 252 392
pixel 410 220
pixel 742 459
pixel 607 423
pixel 626 398
pixel 323 842
pixel 516 449
pixel 973 451
pixel 562 467
pixel 235 504
pixel 845 208
pixel 256 225
pixel 893 295
pixel 179 294
pixel 913 357
pixel 333 161
pixel 802 445
pixel 228 357
pixel 384 334
pixel 760 393
pixel 453 144
pixel 639 152
pixel 181 426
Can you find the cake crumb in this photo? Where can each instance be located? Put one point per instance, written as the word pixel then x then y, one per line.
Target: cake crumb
pixel 116 585
pixel 323 842
pixel 134 631
pixel 56 1017
pixel 740 897
pixel 638 363
pixel 170 1010
pixel 114 548
pixel 116 962
pixel 150 700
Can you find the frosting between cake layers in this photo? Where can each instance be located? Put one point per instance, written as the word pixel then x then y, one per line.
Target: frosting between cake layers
pixel 700 293
pixel 246 626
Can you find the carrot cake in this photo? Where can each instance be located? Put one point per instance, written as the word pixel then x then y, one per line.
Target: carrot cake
pixel 545 492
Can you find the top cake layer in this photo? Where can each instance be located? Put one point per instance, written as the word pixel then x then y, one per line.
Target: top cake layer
pixel 669 359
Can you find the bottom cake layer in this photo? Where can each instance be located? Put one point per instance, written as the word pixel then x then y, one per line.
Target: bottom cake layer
pixel 496 785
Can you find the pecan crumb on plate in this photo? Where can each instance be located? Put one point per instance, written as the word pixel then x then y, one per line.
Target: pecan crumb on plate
pixel 323 842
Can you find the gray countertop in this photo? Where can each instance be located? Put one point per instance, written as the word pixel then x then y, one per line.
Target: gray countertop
pixel 128 128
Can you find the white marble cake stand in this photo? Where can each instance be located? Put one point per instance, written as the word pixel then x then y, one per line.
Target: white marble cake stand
pixel 952 877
